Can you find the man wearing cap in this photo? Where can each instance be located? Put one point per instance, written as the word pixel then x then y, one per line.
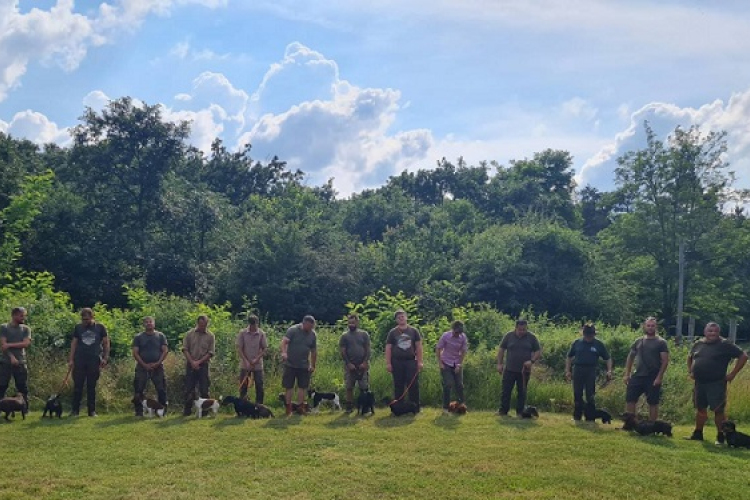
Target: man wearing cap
pixel 584 355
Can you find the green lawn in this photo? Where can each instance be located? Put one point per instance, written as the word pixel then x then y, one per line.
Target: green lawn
pixel 333 455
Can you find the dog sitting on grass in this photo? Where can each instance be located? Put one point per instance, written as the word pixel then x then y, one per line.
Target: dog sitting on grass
pixel 401 407
pixel 53 406
pixel 457 408
pixel 366 403
pixel 10 406
pixel 599 413
pixel 734 438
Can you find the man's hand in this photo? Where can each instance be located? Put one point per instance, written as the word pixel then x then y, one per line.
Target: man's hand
pixel 527 366
pixel 457 369
pixel 609 376
pixel 657 381
pixel 103 363
pixel 420 365
pixel 311 368
pixel 626 379
pixel 350 367
pixel 364 366
pixel 730 377
pixel 568 375
pixel 500 368
pixel 389 367
pixel 284 356
pixel 13 361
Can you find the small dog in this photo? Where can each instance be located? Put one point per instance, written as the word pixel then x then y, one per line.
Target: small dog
pixel 12 405
pixel 601 413
pixel 242 407
pixel 319 397
pixel 530 412
pixel 402 407
pixel 263 411
pixel 366 403
pixel 631 422
pixel 150 406
pixel 734 438
pixel 295 406
pixel 457 408
pixel 204 406
pixel 53 406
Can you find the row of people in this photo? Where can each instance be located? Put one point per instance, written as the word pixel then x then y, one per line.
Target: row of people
pixel 519 350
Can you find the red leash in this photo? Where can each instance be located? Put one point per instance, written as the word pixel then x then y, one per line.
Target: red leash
pixel 405 390
pixel 65 380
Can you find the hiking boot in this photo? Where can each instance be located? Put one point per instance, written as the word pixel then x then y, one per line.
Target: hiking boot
pixel 93 414
pixel 719 438
pixel 696 436
pixel 349 408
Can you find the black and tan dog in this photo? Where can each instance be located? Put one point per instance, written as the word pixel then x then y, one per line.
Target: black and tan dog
pixel 366 403
pixel 400 407
pixel 53 406
pixel 631 422
pixel 529 412
pixel 734 438
pixel 242 407
pixel 10 406
pixel 599 413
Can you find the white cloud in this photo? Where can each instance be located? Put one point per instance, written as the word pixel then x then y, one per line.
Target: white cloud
pixel 732 117
pixel 96 100
pixel 37 128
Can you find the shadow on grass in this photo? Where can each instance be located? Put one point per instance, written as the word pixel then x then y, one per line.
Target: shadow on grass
pixel 230 422
pixel 447 421
pixel 129 419
pixel 174 419
pixel 593 427
pixel 283 422
pixel 517 423
pixel 663 441
pixel 46 422
pixel 344 420
pixel 389 421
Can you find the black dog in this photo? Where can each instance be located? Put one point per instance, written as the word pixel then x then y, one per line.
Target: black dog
pixel 295 406
pixel 53 406
pixel 601 413
pixel 319 397
pixel 242 407
pixel 735 439
pixel 530 412
pixel 645 427
pixel 366 403
pixel 10 406
pixel 401 407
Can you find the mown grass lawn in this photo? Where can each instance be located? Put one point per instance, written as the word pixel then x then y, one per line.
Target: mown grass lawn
pixel 337 456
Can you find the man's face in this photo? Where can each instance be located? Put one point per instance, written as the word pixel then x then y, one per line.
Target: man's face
pixel 149 324
pixel 401 319
pixel 87 318
pixel 308 326
pixel 252 328
pixel 457 330
pixel 353 323
pixel 202 323
pixel 522 329
pixel 712 333
pixel 20 318
pixel 649 327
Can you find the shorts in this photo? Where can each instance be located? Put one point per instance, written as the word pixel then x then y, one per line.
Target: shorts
pixel 711 395
pixel 357 377
pixel 643 385
pixel 301 375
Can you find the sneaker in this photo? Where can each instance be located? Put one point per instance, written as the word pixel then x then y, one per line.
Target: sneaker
pixel 719 438
pixel 93 414
pixel 695 436
pixel 501 413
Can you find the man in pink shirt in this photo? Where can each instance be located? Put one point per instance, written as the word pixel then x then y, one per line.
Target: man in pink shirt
pixel 451 349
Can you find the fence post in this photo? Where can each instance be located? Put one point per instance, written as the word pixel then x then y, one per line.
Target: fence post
pixel 733 330
pixel 691 330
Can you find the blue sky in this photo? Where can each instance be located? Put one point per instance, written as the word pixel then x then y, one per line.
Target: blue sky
pixel 359 91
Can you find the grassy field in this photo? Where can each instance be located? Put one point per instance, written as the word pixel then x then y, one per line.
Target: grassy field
pixel 333 455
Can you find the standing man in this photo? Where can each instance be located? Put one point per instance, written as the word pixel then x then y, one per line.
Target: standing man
pixel 403 358
pixel 523 351
pixel 89 353
pixel 355 351
pixel 149 350
pixel 299 354
pixel 651 356
pixel 584 355
pixel 707 364
pixel 198 346
pixel 251 346
pixel 15 337
pixel 451 349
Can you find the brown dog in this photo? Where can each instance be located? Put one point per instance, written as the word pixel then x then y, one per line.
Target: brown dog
pixel 457 408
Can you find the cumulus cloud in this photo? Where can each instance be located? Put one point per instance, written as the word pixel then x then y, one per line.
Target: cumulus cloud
pixel 732 117
pixel 35 127
pixel 62 37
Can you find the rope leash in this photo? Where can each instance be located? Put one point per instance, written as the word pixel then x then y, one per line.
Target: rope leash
pixel 405 390
pixel 65 380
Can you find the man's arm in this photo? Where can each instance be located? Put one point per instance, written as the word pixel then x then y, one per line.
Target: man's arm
pixel 105 348
pixel 737 367
pixel 137 355
pixel 438 352
pixel 246 363
pixel 26 342
pixel 500 358
pixel 420 355
pixel 664 364
pixel 388 351
pixel 568 364
pixel 313 359
pixel 628 368
pixel 284 347
pixel 73 346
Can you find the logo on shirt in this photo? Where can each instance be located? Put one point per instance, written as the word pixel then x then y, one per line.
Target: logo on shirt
pixel 88 337
pixel 404 341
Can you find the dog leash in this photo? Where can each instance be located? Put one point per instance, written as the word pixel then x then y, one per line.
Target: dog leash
pixel 65 380
pixel 405 390
pixel 248 381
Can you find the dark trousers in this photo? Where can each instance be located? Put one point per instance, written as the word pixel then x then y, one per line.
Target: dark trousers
pixel 142 376
pixel 584 379
pixel 257 378
pixel 85 372
pixel 450 379
pixel 404 371
pixel 197 377
pixel 511 379
pixel 20 376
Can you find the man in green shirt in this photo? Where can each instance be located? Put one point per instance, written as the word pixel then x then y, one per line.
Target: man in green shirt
pixel 299 354
pixel 15 337
pixel 149 350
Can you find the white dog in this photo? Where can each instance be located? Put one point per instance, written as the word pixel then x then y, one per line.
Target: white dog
pixel 204 406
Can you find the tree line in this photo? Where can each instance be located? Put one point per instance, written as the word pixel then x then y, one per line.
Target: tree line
pixel 130 203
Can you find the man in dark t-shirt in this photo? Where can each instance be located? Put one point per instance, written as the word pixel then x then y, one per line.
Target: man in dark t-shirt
pixel 403 358
pixel 650 354
pixel 299 352
pixel 89 353
pixel 149 350
pixel 15 337
pixel 523 351
pixel 354 345
pixel 583 357
pixel 708 362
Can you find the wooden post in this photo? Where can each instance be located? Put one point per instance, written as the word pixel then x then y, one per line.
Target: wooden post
pixel 733 330
pixel 691 330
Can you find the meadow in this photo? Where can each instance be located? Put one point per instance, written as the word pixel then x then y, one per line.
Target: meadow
pixel 338 456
